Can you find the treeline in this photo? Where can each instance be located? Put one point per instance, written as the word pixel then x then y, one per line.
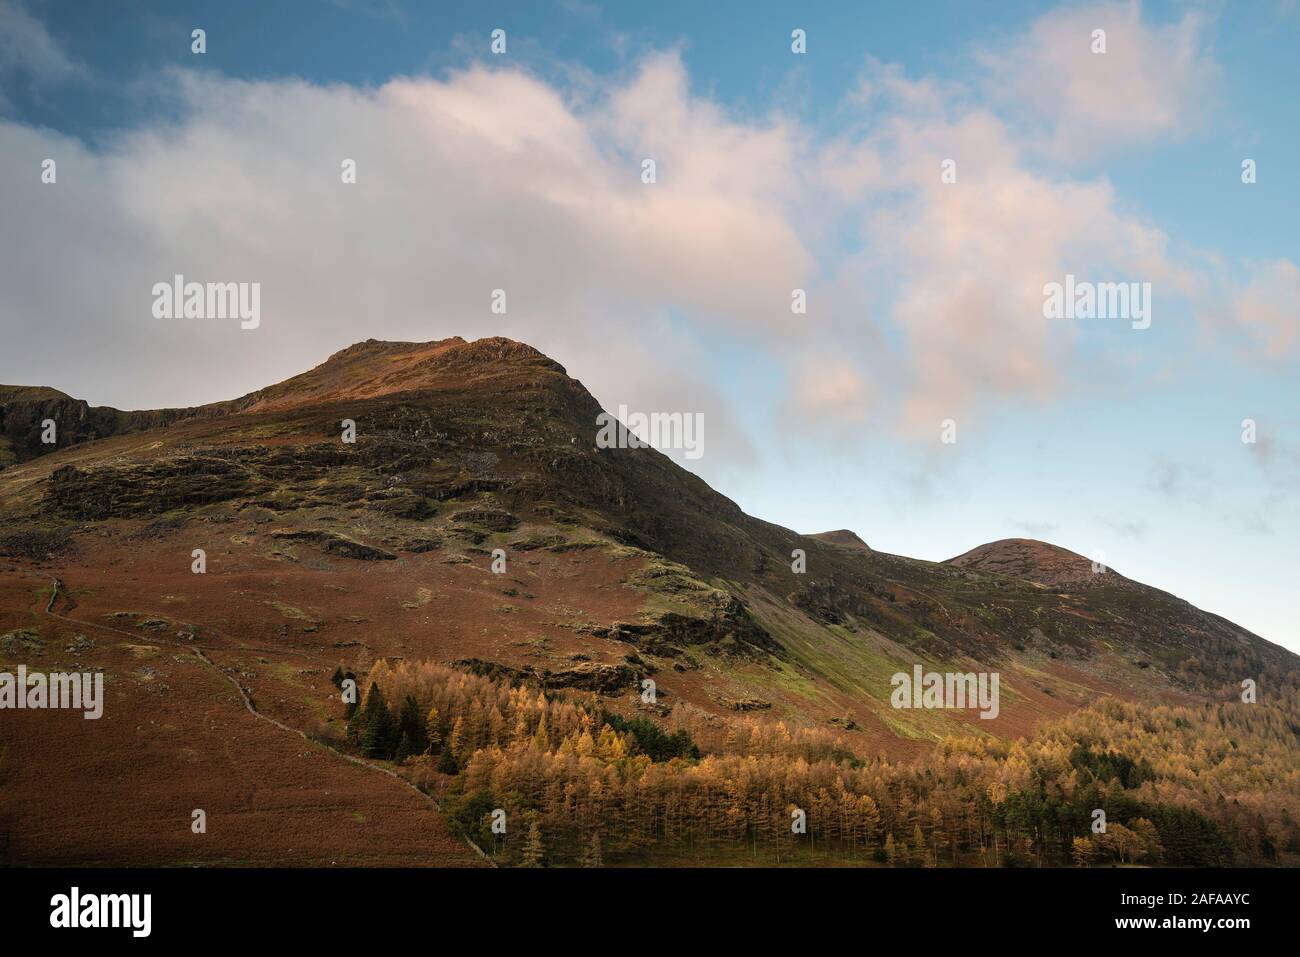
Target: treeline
pixel 1198 786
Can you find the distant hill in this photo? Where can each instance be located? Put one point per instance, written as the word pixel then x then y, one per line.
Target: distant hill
pixel 841 536
pixel 1035 561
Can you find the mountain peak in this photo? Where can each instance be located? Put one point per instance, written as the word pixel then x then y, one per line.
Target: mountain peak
pixel 1032 560
pixel 370 369
pixel 842 536
pixel 374 368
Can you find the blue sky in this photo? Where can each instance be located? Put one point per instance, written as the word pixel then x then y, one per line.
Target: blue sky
pixel 775 171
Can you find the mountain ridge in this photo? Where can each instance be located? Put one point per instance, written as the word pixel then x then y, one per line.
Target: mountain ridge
pixel 464 442
pixel 419 366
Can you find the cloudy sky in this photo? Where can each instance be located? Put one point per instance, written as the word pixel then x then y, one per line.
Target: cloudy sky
pixel 775 171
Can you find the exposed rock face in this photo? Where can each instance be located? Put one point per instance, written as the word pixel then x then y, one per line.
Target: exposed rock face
pixel 730 630
pixel 25 409
pixel 746 704
pixel 336 544
pixel 605 679
pixel 131 490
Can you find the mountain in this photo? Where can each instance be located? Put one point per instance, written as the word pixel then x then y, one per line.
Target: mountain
pixel 619 566
pixel 1036 562
pixel 24 410
pixel 842 536
pixel 464 446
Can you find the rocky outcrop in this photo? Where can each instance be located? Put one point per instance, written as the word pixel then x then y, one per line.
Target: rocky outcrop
pixel 594 676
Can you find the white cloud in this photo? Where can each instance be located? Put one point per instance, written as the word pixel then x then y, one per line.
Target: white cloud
pixel 967 261
pixel 1154 80
pixel 488 179
pixel 1264 311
